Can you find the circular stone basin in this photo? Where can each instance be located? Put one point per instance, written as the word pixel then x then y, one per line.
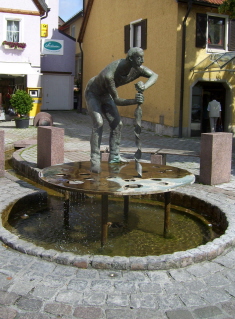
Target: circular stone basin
pixel 42 223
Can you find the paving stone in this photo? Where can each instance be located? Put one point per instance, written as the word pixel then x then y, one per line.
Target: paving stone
pixel 179 314
pixel 102 285
pixel 181 275
pixel 78 285
pixel 121 300
pixel 69 296
pixel 127 287
pixel 119 314
pixel 214 296
pixel 229 307
pixel 216 280
pixel 192 300
pixel 159 276
pixel 150 314
pixel 87 273
pixel 7 313
pixel 58 309
pixel 207 312
pixel 110 274
pixel 150 287
pixel 8 298
pixel 144 301
pixel 32 315
pixel 88 313
pixel 29 304
pixel 94 298
pixel 44 292
pixel 134 275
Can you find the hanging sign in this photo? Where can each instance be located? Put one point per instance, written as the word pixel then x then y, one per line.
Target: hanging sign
pixel 44 30
pixel 55 47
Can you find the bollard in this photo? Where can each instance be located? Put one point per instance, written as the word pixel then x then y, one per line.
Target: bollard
pixel 50 146
pixel 216 158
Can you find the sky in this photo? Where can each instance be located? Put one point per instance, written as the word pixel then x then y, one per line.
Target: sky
pixel 68 8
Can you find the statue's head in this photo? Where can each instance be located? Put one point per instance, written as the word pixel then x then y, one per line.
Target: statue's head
pixel 136 56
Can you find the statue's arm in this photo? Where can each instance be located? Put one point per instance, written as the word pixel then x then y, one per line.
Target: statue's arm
pixel 119 101
pixel 147 73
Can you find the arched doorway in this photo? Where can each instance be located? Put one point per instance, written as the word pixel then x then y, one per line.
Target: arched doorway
pixel 202 93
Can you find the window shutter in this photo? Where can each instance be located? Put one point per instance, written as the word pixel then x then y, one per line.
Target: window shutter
pixel 126 38
pixel 231 35
pixel 201 26
pixel 144 34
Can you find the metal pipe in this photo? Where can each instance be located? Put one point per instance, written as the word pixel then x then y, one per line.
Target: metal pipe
pixel 167 211
pixel 182 68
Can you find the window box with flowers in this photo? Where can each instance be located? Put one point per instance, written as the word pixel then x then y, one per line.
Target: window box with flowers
pixel 14 45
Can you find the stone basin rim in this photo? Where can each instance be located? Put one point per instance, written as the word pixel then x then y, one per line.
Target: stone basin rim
pixel 179 259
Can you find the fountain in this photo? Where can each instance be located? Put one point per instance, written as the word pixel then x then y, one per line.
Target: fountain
pixel 120 180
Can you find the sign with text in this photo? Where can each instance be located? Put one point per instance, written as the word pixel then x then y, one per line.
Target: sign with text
pixel 51 46
pixel 44 30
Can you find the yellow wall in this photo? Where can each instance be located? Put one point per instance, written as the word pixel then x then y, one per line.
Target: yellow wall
pixel 104 43
pixel 193 57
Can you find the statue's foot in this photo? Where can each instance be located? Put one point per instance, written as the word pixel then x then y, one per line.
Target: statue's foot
pixel 95 168
pixel 118 159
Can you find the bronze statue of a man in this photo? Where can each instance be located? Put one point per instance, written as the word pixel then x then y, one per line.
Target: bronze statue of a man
pixel 102 99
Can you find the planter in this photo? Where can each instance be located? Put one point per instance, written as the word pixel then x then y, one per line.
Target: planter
pixel 7 47
pixel 22 123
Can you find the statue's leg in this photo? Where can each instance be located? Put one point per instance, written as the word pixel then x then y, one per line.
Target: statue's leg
pixel 94 109
pixel 112 115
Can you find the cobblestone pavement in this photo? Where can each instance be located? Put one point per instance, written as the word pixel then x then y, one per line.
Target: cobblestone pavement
pixel 32 288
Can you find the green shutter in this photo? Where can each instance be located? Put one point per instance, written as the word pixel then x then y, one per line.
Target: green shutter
pixel 144 34
pixel 231 35
pixel 201 28
pixel 126 38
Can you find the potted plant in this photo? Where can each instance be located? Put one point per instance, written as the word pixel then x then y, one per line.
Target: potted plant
pixel 22 102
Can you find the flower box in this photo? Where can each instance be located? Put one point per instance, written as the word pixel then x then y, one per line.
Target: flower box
pixel 13 45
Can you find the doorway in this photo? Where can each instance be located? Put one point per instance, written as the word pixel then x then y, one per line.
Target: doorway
pixel 202 93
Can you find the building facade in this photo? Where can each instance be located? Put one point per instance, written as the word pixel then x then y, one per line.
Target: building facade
pixel 177 36
pixel 20 49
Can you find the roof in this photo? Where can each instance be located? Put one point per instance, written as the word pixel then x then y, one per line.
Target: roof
pixel 218 2
pixel 42 6
pixel 209 3
pixel 67 24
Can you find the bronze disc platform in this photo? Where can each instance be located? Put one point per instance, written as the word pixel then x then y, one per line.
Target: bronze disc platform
pixel 117 180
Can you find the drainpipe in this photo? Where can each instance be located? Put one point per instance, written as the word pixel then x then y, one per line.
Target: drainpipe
pixel 46 14
pixel 182 67
pixel 81 84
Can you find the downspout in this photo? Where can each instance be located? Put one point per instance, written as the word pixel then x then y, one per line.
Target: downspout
pixel 46 14
pixel 182 68
pixel 81 84
pixel 80 46
pixel 86 14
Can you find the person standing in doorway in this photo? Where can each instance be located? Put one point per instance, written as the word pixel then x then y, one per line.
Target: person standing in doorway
pixel 214 109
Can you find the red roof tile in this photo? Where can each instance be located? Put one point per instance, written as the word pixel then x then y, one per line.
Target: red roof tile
pixel 218 2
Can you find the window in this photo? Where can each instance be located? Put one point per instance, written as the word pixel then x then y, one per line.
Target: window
pixel 73 31
pixel 13 31
pixel 215 32
pixel 135 35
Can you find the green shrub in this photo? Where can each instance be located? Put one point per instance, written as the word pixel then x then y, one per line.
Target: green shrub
pixel 22 102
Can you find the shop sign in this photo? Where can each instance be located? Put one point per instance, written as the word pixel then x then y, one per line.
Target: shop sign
pixel 55 47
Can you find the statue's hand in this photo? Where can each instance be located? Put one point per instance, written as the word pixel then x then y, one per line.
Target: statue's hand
pixel 139 98
pixel 140 86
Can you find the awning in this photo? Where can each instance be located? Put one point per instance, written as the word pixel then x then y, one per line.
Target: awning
pixel 215 62
pixel 17 68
